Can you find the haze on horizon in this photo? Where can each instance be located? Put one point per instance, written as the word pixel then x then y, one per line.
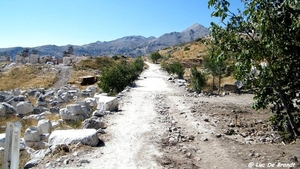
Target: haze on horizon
pixel 56 22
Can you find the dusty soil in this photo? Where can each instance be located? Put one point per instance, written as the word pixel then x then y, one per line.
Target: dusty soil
pixel 160 125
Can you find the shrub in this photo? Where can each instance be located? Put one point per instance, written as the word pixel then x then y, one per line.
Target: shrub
pixel 155 56
pixel 114 79
pixel 198 79
pixel 176 68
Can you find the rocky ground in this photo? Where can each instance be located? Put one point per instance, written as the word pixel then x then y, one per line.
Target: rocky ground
pixel 161 125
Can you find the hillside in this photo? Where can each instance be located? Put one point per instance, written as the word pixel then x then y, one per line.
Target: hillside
pixel 129 46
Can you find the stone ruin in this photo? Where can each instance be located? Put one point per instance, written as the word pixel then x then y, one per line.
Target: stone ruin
pixel 23 57
pixel 68 56
pixel 4 57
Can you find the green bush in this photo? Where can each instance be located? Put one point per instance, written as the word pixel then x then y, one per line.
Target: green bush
pixel 176 68
pixel 198 79
pixel 115 78
pixel 155 56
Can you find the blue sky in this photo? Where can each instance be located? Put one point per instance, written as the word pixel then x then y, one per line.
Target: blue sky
pixel 30 23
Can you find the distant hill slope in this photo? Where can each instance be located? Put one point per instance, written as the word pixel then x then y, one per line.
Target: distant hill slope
pixel 127 46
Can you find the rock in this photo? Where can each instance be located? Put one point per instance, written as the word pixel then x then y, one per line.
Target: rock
pixel 24 108
pixel 87 80
pixel 259 122
pixel 65 114
pixel 90 102
pixel 218 135
pixel 191 137
pixel 55 149
pixel 106 102
pixel 229 132
pixel 19 98
pixel 84 161
pixel 44 126
pixel 206 120
pixel 100 131
pixel 32 134
pixel 9 108
pixel 231 125
pixel 260 133
pixel 99 113
pixel 249 139
pixel 77 109
pixel 54 110
pixel 244 134
pixel 93 123
pixel 85 136
pixel 5 96
pixel 32 163
pixel 205 139
pixel 230 87
pixel 172 141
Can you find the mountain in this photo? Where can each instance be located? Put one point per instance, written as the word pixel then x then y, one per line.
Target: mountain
pixel 127 46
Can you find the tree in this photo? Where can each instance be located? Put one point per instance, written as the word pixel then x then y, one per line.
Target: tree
pixel 264 37
pixel 198 79
pixel 155 56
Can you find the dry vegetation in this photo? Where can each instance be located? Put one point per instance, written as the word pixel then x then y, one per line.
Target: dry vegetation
pixel 191 54
pixel 28 76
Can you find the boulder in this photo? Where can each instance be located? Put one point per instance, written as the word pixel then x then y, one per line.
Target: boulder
pixel 87 80
pixel 230 88
pixel 93 123
pixel 77 109
pixel 9 108
pixel 84 136
pixel 32 163
pixel 5 96
pixel 66 114
pixel 106 102
pixel 24 108
pixel 65 97
pixel 19 98
pixel 180 82
pixel 32 134
pixel 44 126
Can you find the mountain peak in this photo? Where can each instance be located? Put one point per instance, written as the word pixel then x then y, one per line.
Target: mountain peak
pixel 195 26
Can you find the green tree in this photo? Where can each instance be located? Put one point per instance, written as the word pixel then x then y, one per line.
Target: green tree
pixel 264 39
pixel 198 79
pixel 155 56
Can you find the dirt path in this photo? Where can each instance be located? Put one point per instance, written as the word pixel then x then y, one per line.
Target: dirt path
pixel 63 77
pixel 162 126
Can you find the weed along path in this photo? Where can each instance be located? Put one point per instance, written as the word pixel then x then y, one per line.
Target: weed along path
pixel 133 133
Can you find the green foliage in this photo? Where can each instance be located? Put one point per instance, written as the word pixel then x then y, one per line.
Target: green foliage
pixel 175 68
pixel 265 32
pixel 115 78
pixel 155 56
pixel 198 79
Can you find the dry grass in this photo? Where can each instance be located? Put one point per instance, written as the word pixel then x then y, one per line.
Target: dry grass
pixel 28 76
pixel 192 50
